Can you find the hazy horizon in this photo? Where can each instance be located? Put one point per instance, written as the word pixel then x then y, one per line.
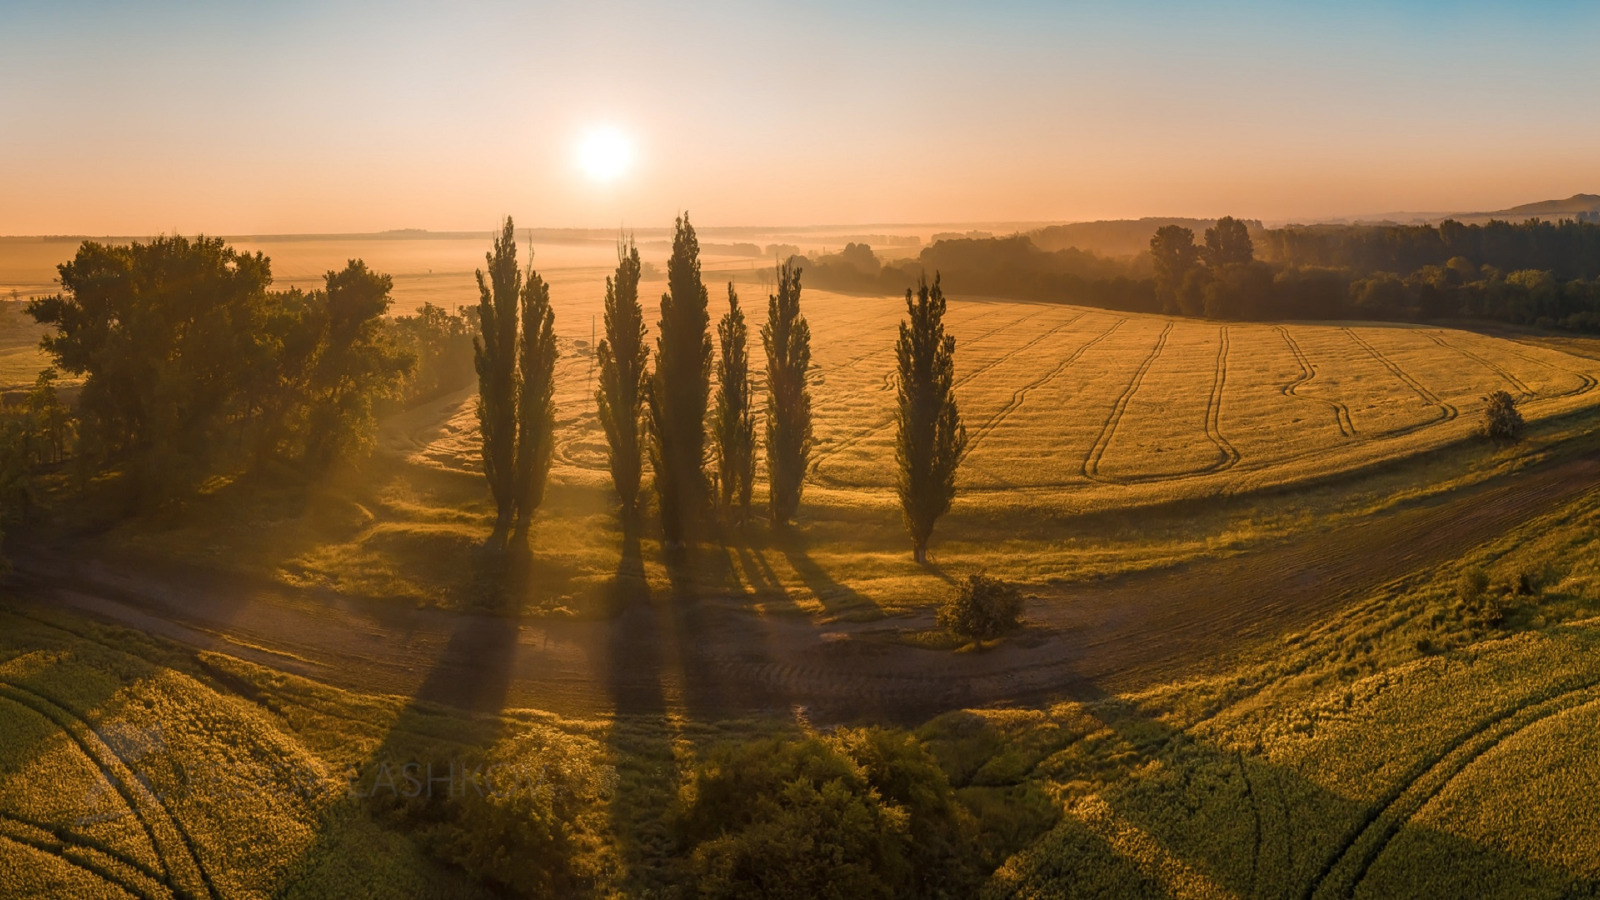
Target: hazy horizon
pixel 348 118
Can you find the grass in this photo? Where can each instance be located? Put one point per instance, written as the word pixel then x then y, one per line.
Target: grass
pixel 1403 746
pixel 1427 739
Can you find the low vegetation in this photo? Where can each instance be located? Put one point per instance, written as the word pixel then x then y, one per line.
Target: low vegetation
pixel 1501 420
pixel 982 608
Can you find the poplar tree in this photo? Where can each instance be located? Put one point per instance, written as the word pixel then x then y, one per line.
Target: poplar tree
pixel 734 422
pixel 495 355
pixel 787 340
pixel 536 406
pixel 680 390
pixel 622 356
pixel 931 439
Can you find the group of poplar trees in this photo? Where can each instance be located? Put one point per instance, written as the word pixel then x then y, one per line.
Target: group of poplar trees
pixel 663 412
pixel 515 354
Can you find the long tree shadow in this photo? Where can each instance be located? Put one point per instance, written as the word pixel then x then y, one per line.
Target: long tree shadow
pixel 1206 818
pixel 833 595
pixel 426 761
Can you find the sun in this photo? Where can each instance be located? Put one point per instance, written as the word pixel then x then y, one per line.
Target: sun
pixel 605 154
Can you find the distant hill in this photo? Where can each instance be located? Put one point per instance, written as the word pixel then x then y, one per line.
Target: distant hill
pixel 1116 237
pixel 1574 207
pixel 1582 207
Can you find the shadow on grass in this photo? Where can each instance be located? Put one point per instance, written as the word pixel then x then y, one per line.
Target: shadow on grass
pixel 795 545
pixel 1206 818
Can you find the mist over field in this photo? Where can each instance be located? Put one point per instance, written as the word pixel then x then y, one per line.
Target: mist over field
pixel 877 450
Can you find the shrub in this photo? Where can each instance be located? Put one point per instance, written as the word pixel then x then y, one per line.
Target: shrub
pixel 1501 421
pixel 529 817
pixel 863 813
pixel 982 608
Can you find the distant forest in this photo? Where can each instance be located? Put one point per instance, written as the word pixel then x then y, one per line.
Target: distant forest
pixel 1539 273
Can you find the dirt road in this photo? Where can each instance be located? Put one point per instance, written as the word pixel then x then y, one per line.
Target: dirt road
pixel 711 659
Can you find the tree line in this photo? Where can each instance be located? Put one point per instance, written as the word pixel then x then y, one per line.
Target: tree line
pixel 1535 273
pixel 690 412
pixel 193 366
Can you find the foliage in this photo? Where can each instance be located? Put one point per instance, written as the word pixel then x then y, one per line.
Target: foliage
pixel 931 438
pixel 1501 419
pixel 174 343
pixel 786 338
pixel 733 425
pixel 495 354
pixel 1228 244
pixel 527 816
pixel 536 406
pixel 1174 253
pixel 981 608
pixel 342 363
pixel 441 341
pixel 186 356
pixel 680 388
pixel 859 814
pixel 624 376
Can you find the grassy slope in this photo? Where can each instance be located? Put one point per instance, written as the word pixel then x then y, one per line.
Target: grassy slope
pixel 1411 744
pixel 1407 747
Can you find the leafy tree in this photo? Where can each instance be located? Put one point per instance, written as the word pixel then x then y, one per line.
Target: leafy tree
pixel 734 422
pixel 787 339
pixel 354 364
pixel 865 813
pixel 1228 243
pixel 495 356
pixel 172 340
pixel 536 414
pixel 1174 254
pixel 623 357
pixel 441 341
pixel 49 423
pixel 1501 419
pixel 931 438
pixel 681 388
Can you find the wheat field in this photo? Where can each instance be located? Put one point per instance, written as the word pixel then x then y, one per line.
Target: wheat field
pixel 1083 408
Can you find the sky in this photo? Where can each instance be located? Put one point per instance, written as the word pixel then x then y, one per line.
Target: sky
pixel 294 117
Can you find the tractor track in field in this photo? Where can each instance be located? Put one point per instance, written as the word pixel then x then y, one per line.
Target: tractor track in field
pixel 1228 455
pixel 1505 374
pixel 1586 382
pixel 1364 844
pixel 181 862
pixel 80 852
pixel 1341 412
pixel 888 385
pixel 889 348
pixel 1447 412
pixel 1091 463
pixel 718 658
pixel 1021 394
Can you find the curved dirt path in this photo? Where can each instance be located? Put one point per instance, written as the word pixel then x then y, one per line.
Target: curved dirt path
pixel 714 659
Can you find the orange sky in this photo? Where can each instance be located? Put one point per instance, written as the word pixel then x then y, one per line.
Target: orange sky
pixel 317 117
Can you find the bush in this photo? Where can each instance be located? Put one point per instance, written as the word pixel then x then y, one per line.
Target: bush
pixel 1501 421
pixel 863 813
pixel 530 817
pixel 982 608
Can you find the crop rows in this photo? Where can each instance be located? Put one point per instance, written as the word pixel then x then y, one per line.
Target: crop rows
pixel 1068 401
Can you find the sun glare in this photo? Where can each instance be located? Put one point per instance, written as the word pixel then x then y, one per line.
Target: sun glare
pixel 604 154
